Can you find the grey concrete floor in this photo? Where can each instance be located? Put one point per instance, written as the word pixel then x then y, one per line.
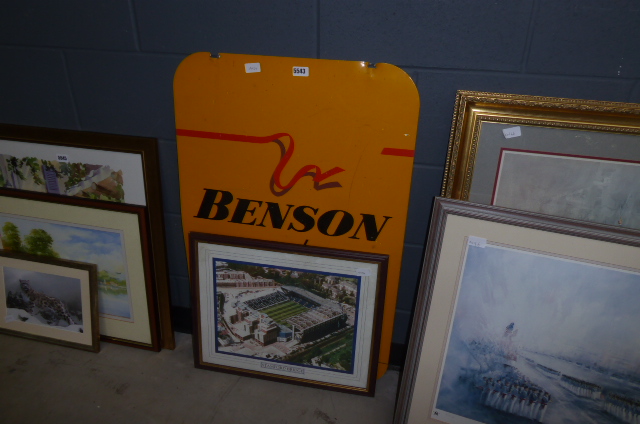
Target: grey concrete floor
pixel 45 383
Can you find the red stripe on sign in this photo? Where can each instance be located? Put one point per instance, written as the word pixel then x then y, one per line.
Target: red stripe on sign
pixel 313 171
pixel 398 152
pixel 230 137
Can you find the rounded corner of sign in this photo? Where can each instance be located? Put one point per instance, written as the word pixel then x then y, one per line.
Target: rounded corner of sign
pixel 383 65
pixel 201 55
pixel 401 73
pixel 188 60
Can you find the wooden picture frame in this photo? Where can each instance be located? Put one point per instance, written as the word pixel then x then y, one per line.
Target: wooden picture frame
pixel 577 159
pixel 523 316
pixel 298 314
pixel 109 167
pixel 114 236
pixel 50 300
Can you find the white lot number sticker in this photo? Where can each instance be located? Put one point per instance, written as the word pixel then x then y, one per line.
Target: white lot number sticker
pixel 477 242
pixel 363 272
pixel 251 68
pixel 512 132
pixel 300 71
pixel 63 158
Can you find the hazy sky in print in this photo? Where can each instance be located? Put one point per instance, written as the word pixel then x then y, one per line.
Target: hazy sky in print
pixel 588 189
pixel 64 288
pixel 99 246
pixel 557 305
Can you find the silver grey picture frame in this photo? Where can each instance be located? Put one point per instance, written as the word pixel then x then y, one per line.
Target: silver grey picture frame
pixel 523 317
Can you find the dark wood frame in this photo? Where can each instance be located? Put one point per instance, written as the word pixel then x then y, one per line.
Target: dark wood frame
pixel 92 285
pixel 444 208
pixel 147 148
pixel 382 265
pixel 147 259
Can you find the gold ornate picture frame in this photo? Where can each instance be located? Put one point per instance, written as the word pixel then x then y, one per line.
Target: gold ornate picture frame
pixel 564 157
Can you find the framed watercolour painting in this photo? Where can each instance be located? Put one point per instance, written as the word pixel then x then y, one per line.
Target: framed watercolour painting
pixel 107 167
pixel 76 165
pixel 577 159
pixel 113 236
pixel 284 312
pixel 523 318
pixel 49 299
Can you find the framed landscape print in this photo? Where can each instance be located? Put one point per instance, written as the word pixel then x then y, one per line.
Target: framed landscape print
pixel 523 318
pixel 88 172
pixel 113 236
pixel 578 159
pixel 297 314
pixel 95 166
pixel 49 299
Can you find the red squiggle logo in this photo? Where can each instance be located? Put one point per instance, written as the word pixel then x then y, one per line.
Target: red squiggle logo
pixel 276 185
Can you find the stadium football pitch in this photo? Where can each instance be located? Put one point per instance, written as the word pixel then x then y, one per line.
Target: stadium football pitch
pixel 280 312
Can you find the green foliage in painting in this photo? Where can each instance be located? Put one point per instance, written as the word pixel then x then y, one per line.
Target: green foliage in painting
pixel 10 238
pixel 39 242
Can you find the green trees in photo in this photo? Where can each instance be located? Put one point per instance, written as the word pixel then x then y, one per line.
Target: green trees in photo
pixel 37 242
pixel 10 238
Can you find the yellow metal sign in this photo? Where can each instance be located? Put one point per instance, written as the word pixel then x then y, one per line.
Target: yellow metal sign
pixel 304 151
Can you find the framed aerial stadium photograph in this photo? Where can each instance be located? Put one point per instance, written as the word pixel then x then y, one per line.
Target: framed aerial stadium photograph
pixel 106 168
pixel 113 236
pixel 572 158
pixel 523 317
pixel 297 314
pixel 49 299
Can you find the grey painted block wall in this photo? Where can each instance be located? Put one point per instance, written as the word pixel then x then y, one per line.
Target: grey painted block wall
pixel 108 65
